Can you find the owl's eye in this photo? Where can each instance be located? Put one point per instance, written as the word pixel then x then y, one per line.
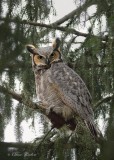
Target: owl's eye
pixel 52 54
pixel 40 57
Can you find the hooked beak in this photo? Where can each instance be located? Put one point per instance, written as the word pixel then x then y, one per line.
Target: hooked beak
pixel 47 62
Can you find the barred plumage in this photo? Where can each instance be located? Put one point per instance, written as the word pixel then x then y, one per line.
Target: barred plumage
pixel 61 89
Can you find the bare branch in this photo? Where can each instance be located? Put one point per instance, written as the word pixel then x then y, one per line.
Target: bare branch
pixel 75 12
pixel 50 26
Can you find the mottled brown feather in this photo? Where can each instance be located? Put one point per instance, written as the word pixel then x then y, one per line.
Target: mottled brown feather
pixel 61 89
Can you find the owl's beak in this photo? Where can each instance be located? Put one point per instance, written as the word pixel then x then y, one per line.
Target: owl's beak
pixel 47 61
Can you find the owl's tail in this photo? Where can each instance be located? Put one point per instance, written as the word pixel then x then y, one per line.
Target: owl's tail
pixel 94 130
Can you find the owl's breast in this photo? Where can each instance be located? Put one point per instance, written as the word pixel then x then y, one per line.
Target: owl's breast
pixel 40 86
pixel 47 94
pixel 43 89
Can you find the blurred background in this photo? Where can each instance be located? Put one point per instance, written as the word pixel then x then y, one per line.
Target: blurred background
pixel 86 30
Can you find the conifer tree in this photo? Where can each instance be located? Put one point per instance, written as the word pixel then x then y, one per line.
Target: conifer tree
pixel 91 56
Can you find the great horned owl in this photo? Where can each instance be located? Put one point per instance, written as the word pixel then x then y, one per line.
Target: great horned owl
pixel 61 89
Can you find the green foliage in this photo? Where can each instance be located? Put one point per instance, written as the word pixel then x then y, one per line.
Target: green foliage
pixel 18 119
pixel 1 127
pixel 15 62
pixel 93 60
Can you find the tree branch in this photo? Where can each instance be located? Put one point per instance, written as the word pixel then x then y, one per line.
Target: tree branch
pixel 14 144
pixel 50 26
pixel 104 100
pixel 20 98
pixel 76 12
pixel 14 95
pixel 54 25
pixel 40 106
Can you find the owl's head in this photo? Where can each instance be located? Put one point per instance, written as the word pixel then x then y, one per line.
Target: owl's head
pixel 43 57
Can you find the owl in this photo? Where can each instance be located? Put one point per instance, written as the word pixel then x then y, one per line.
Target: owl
pixel 61 89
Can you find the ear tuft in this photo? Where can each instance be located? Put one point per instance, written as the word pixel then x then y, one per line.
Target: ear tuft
pixel 56 43
pixel 31 48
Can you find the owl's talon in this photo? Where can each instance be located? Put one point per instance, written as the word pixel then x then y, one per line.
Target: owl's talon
pixel 42 104
pixel 49 110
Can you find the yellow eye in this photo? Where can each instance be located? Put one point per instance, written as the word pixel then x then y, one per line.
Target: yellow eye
pixel 38 59
pixel 55 57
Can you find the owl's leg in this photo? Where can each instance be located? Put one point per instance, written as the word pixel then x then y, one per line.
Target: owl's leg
pixel 53 108
pixel 56 119
pixel 72 123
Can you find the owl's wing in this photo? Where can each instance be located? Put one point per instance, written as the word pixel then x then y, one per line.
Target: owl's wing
pixel 73 92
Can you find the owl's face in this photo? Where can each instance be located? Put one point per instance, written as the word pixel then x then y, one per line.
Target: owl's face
pixel 45 56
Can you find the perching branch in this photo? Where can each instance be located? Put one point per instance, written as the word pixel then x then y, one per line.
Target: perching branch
pixel 40 106
pixel 14 95
pixel 20 98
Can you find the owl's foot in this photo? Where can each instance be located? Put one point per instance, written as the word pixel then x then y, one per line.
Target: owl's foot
pixel 56 119
pixel 49 110
pixel 71 124
pixel 42 104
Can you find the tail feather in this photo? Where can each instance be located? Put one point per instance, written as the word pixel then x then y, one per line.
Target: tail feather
pixel 93 129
